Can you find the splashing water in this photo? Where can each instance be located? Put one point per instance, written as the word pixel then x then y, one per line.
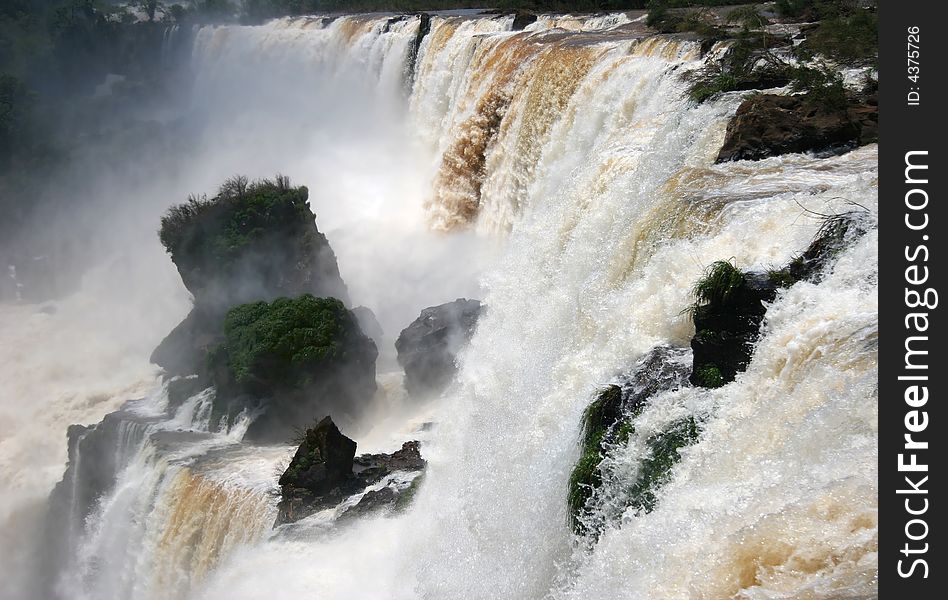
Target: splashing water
pixel 577 190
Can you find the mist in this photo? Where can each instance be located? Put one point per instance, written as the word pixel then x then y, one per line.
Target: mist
pixel 324 119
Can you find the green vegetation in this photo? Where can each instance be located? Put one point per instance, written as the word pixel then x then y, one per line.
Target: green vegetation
pixel 846 34
pixel 604 426
pixel 709 376
pixel 213 237
pixel 730 305
pixel 406 496
pixel 720 284
pixel 287 343
pixel 655 470
pixel 599 419
pixel 835 232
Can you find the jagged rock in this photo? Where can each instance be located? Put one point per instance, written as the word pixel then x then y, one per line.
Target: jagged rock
pixel 428 347
pixel 292 358
pixel 324 471
pixel 369 323
pixel 252 241
pixel 323 462
pixel 770 125
pixel 377 466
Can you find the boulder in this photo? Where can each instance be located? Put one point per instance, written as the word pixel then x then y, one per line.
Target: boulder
pixel 730 307
pixel 324 472
pixel 428 347
pixel 769 125
pixel 369 323
pixel 522 19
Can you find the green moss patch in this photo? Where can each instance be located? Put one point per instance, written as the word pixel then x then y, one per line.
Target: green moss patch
pixel 663 455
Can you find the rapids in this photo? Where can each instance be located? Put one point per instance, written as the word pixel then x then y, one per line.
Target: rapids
pixel 559 174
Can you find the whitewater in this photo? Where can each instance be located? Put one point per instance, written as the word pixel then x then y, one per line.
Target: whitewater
pixel 561 175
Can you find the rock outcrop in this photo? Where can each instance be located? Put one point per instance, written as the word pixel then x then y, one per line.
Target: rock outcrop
pixel 607 421
pixel 769 125
pixel 522 19
pixel 428 347
pixel 731 304
pixel 325 471
pixel 252 241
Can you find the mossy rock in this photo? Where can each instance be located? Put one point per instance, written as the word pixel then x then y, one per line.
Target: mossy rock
pixel 252 241
pixel 730 304
pixel 609 422
pixel 663 455
pixel 297 358
pixel 599 418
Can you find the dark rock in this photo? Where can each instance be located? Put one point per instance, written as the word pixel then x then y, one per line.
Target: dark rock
pixel 374 467
pixel 424 28
pixel 323 461
pixel 182 388
pixel 732 304
pixel 184 351
pixel 428 347
pixel 324 471
pixel 727 323
pixel 770 125
pixel 374 500
pixel 522 19
pixel 320 474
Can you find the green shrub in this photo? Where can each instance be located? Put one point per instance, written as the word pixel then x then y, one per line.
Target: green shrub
pixel 820 84
pixel 262 227
pixel 287 343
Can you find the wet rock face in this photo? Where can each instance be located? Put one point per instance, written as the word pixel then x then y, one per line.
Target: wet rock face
pixel 769 125
pixel 325 471
pixel 523 19
pixel 322 462
pixel 96 454
pixel 725 331
pixel 428 347
pixel 608 421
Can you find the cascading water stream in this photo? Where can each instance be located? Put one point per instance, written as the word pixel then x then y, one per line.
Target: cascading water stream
pixel 589 178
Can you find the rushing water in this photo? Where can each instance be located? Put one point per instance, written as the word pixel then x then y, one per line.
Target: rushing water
pixel 574 190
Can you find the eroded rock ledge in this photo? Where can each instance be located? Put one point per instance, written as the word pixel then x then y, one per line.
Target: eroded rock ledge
pixel 325 471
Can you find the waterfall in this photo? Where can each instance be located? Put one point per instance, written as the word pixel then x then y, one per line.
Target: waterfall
pixel 562 173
